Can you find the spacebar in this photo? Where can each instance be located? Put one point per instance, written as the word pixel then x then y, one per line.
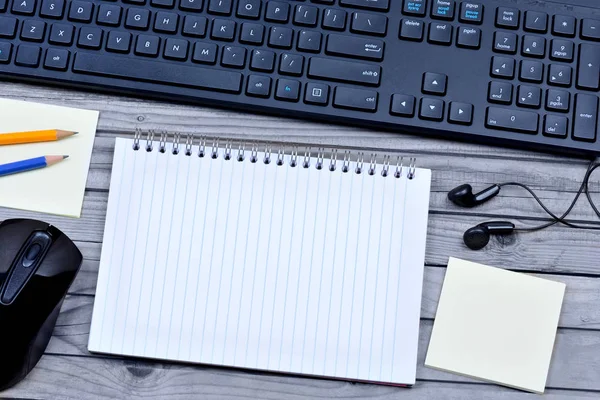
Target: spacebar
pixel 157 72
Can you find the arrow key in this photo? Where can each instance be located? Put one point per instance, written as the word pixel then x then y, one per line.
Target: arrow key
pixel 434 83
pixel 503 67
pixel 403 105
pixel 529 96
pixel 534 46
pixel 559 75
pixel 460 113
pixel 431 109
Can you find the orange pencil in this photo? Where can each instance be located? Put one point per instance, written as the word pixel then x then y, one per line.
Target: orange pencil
pixel 34 136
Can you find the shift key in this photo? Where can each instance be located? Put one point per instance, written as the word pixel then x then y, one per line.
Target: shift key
pixel 344 71
pixel 585 119
pixel 355 47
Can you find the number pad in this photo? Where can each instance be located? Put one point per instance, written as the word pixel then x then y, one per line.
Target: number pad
pixel 534 46
pixel 559 75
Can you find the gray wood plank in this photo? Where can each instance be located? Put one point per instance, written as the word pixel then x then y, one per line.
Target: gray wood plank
pixel 64 377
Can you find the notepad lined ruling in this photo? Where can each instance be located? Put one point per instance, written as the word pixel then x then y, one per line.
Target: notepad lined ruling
pixel 263 266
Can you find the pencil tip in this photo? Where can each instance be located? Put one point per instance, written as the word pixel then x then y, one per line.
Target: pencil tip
pixel 65 157
pixel 75 133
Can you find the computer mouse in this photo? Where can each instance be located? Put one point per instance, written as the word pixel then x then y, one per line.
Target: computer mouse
pixel 37 265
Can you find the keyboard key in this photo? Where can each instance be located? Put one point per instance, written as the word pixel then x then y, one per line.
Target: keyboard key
pixel 503 67
pixel 56 59
pixel 28 56
pixel 440 33
pixel 33 30
pixel 3 4
pixel 5 52
pixel 166 22
pixel 403 105
pixel 194 26
pixel 306 15
pixel 381 5
pixel 434 83
pixel 512 120
pixel 370 24
pixel 191 5
pixel 8 27
pixel 249 9
pixel 234 57
pixel 291 64
pixel 355 99
pixel 52 8
pixel 220 7
pixel 81 11
pixel 586 117
pixel 354 47
pixel 281 37
pixel 411 29
pixel 223 29
pixel 556 126
pixel 258 86
pixel 505 42
pixel 316 93
pixel 536 21
pixel 118 42
pixel 61 34
pixel 287 90
pixel 590 29
pixel 163 3
pixel 344 71
pixel 531 71
pixel 442 9
pixel 205 53
pixel 468 37
pixel 460 113
pixel 90 37
pixel 176 49
pixel 507 17
pixel 23 7
pixel 138 69
pixel 277 11
pixel 309 41
pixel 137 18
pixel 559 75
pixel 562 50
pixel 109 14
pixel 588 72
pixel 563 25
pixel 534 46
pixel 471 12
pixel 431 109
pixel 415 7
pixel 529 96
pixel 334 18
pixel 147 45
pixel 500 92
pixel 252 33
pixel 262 60
pixel 557 100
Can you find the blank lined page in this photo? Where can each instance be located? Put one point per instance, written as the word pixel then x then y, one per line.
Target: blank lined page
pixel 262 266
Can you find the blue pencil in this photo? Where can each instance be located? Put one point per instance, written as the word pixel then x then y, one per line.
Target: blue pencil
pixel 28 165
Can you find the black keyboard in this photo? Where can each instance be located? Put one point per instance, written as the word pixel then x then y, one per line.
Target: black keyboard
pixel 520 73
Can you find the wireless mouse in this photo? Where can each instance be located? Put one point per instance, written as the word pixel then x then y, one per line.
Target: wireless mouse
pixel 37 265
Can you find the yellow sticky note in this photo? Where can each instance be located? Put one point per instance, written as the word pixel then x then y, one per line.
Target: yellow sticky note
pixel 495 325
pixel 57 189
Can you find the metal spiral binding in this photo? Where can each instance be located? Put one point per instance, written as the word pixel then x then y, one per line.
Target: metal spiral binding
pixel 227 150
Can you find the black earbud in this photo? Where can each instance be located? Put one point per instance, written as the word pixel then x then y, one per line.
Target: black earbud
pixel 478 236
pixel 463 195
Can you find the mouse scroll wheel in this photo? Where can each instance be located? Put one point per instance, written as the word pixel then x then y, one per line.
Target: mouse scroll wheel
pixel 31 254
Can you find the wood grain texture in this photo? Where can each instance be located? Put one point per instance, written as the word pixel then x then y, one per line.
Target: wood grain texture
pixel 68 371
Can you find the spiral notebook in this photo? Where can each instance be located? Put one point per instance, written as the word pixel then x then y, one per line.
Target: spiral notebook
pixel 263 259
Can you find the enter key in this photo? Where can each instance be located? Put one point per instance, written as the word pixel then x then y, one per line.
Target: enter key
pixel 355 47
pixel 588 74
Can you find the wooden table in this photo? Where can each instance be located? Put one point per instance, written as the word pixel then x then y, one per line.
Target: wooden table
pixel 68 370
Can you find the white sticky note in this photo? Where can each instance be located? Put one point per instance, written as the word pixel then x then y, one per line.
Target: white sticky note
pixel 57 189
pixel 495 325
